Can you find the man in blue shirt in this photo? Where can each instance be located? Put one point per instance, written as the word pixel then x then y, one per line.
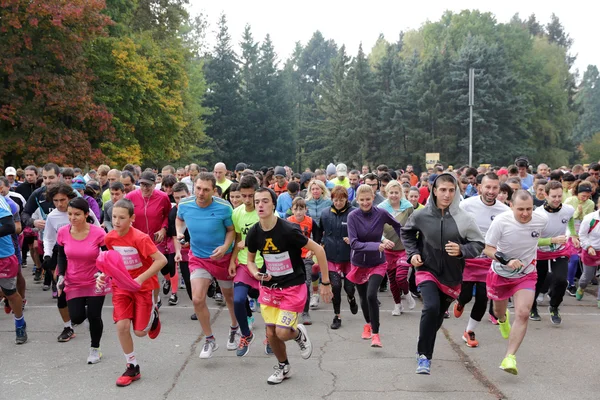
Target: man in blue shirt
pixel 9 268
pixel 211 231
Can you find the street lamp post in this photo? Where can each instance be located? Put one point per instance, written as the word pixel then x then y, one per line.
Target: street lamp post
pixel 471 101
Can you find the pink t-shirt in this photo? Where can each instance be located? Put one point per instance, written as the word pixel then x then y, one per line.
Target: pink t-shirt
pixel 81 261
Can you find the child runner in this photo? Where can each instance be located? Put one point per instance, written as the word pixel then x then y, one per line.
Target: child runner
pixel 143 261
pixel 78 248
pixel 182 248
pixel 283 290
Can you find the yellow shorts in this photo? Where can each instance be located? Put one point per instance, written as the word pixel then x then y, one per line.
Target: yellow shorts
pixel 280 318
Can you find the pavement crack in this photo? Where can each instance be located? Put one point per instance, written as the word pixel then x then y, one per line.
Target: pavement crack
pixel 192 353
pixel 474 369
pixel 320 365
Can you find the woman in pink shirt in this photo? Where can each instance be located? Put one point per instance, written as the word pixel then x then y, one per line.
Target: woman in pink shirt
pixel 79 245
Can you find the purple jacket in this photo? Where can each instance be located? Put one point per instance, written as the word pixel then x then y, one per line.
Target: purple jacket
pixel 365 230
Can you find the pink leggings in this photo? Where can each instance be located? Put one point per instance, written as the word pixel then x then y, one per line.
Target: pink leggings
pixel 397 273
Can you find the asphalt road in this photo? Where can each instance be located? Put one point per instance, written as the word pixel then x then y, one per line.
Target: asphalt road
pixel 554 361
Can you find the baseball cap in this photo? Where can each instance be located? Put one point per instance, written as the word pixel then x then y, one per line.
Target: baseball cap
pixel 432 178
pixel 240 167
pixel 148 178
pixel 279 171
pixel 10 171
pixel 502 171
pixel 341 169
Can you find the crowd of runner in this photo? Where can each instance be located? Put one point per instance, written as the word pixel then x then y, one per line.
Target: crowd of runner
pixel 273 241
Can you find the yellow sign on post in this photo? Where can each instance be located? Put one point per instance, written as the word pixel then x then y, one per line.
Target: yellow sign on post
pixel 431 159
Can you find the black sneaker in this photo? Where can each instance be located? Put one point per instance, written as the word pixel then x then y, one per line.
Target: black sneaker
pixel 66 335
pixel 166 286
pixel 555 315
pixel 534 316
pixel 173 300
pixel 194 317
pixel 353 305
pixel 571 290
pixel 211 290
pixel 383 288
pixel 336 323
pixel 37 277
pixel 21 334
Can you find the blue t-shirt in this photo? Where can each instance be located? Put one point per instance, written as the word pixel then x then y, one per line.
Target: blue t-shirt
pixel 207 226
pixel 7 248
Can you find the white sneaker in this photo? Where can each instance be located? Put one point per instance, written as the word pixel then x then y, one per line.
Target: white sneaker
pixel 410 301
pixel 95 356
pixel 209 347
pixel 540 298
pixel 282 372
pixel 233 341
pixel 314 301
pixel 304 342
pixel 398 308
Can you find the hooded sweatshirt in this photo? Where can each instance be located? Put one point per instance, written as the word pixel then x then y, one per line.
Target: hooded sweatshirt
pixel 427 232
pixel 364 231
pixel 401 215
pixel 314 208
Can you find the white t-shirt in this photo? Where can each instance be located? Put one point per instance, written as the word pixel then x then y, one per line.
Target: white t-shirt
pixel 515 240
pixel 557 225
pixel 484 214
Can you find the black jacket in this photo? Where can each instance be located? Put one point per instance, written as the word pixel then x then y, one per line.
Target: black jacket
pixel 427 232
pixel 334 227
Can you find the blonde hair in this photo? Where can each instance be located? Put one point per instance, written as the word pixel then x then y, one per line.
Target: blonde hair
pixel 364 189
pixel 319 183
pixel 393 184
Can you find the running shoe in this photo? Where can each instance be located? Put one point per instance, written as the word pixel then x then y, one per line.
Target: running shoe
pixel 37 276
pixel 219 298
pixel 210 346
pixel 155 328
pixel 131 374
pixel 376 340
pixel 212 289
pixel 244 346
pixel 337 323
pixel 66 335
pixel 251 323
pixel 21 334
pixel 268 349
pixel 353 305
pixel 410 301
pixel 95 356
pixel 423 366
pixel 173 299
pixel 458 310
pixel 384 287
pixel 540 298
pixel 181 284
pixel 493 320
pixel 509 364
pixel 398 308
pixel 367 332
pixel 571 290
pixel 469 338
pixel 253 304
pixel 415 295
pixel 166 286
pixel 45 288
pixel 54 291
pixel 314 301
pixel 232 342
pixel 505 326
pixel 555 315
pixel 7 308
pixel 447 314
pixel 303 342
pixel 282 372
pixel 534 315
pixel 579 294
pixel 194 317
pixel 306 320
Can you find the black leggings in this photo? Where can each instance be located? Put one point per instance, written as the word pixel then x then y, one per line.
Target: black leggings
pixel 435 305
pixel 336 288
pixel 556 281
pixel 170 268
pixel 185 274
pixel 78 314
pixel 466 294
pixel 368 301
pixel 542 273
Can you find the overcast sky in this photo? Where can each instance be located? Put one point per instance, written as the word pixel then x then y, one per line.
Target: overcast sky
pixel 292 21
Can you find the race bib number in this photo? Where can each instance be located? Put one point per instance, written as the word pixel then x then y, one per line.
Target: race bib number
pixel 286 318
pixel 278 264
pixel 130 255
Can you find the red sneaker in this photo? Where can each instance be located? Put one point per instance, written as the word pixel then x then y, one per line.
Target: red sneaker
pixel 458 310
pixel 131 374
pixel 155 329
pixel 376 341
pixel 493 320
pixel 469 339
pixel 7 308
pixel 367 333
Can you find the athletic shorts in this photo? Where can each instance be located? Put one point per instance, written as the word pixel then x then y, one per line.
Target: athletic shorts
pixel 206 268
pixel 273 316
pixel 501 288
pixel 360 275
pixel 136 306
pixel 292 298
pixel 9 267
pixel 341 268
pixel 243 275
